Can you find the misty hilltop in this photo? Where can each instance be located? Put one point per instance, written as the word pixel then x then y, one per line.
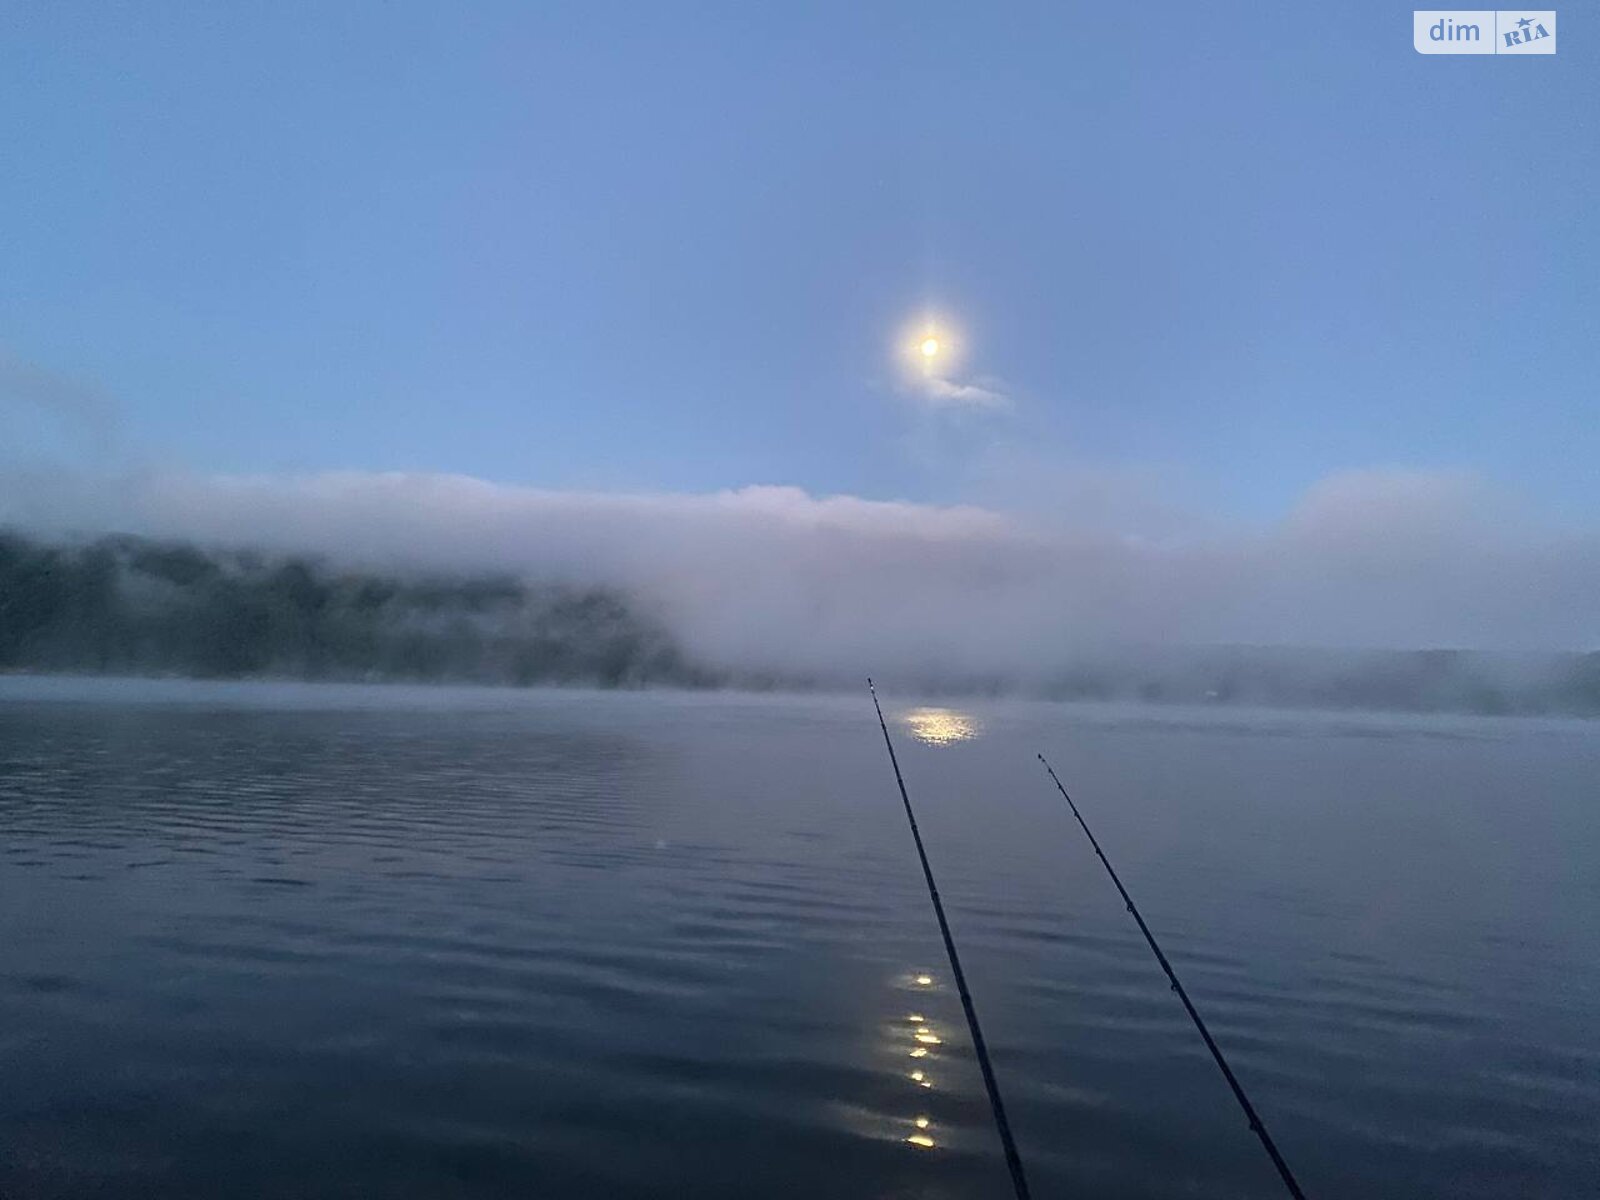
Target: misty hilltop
pixel 133 605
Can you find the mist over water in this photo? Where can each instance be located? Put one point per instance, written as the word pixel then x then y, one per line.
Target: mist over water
pixel 271 940
pixel 779 580
pixel 125 605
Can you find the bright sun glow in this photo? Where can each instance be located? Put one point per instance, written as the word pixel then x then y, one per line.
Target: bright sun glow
pixel 929 347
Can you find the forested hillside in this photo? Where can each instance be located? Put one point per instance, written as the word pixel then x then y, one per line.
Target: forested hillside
pixel 131 605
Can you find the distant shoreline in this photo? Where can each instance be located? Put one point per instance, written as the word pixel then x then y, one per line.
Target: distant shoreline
pixel 910 693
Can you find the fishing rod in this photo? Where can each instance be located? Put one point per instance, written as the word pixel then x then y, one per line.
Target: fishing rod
pixel 1019 1181
pixel 1256 1124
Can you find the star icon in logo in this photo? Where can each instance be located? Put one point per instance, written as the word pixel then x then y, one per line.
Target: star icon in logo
pixel 1525 22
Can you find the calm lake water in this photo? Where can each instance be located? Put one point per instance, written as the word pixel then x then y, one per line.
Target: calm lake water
pixel 302 941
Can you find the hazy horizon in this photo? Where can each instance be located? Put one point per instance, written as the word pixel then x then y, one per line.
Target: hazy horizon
pixel 775 578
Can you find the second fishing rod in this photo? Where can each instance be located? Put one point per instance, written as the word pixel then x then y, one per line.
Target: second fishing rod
pixel 1257 1126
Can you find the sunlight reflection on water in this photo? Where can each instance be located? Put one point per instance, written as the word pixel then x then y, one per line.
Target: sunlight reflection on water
pixel 941 726
pixel 921 1032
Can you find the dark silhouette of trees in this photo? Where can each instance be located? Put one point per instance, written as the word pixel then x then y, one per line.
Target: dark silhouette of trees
pixel 125 604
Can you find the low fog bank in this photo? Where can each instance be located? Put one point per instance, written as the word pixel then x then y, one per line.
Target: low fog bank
pixel 1462 681
pixel 773 586
pixel 131 605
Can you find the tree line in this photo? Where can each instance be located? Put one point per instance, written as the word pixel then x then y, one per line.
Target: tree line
pixel 133 605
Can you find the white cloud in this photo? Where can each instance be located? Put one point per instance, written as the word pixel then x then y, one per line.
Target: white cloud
pixel 945 393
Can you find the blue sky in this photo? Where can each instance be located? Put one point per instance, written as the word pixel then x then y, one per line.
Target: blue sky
pixel 671 247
